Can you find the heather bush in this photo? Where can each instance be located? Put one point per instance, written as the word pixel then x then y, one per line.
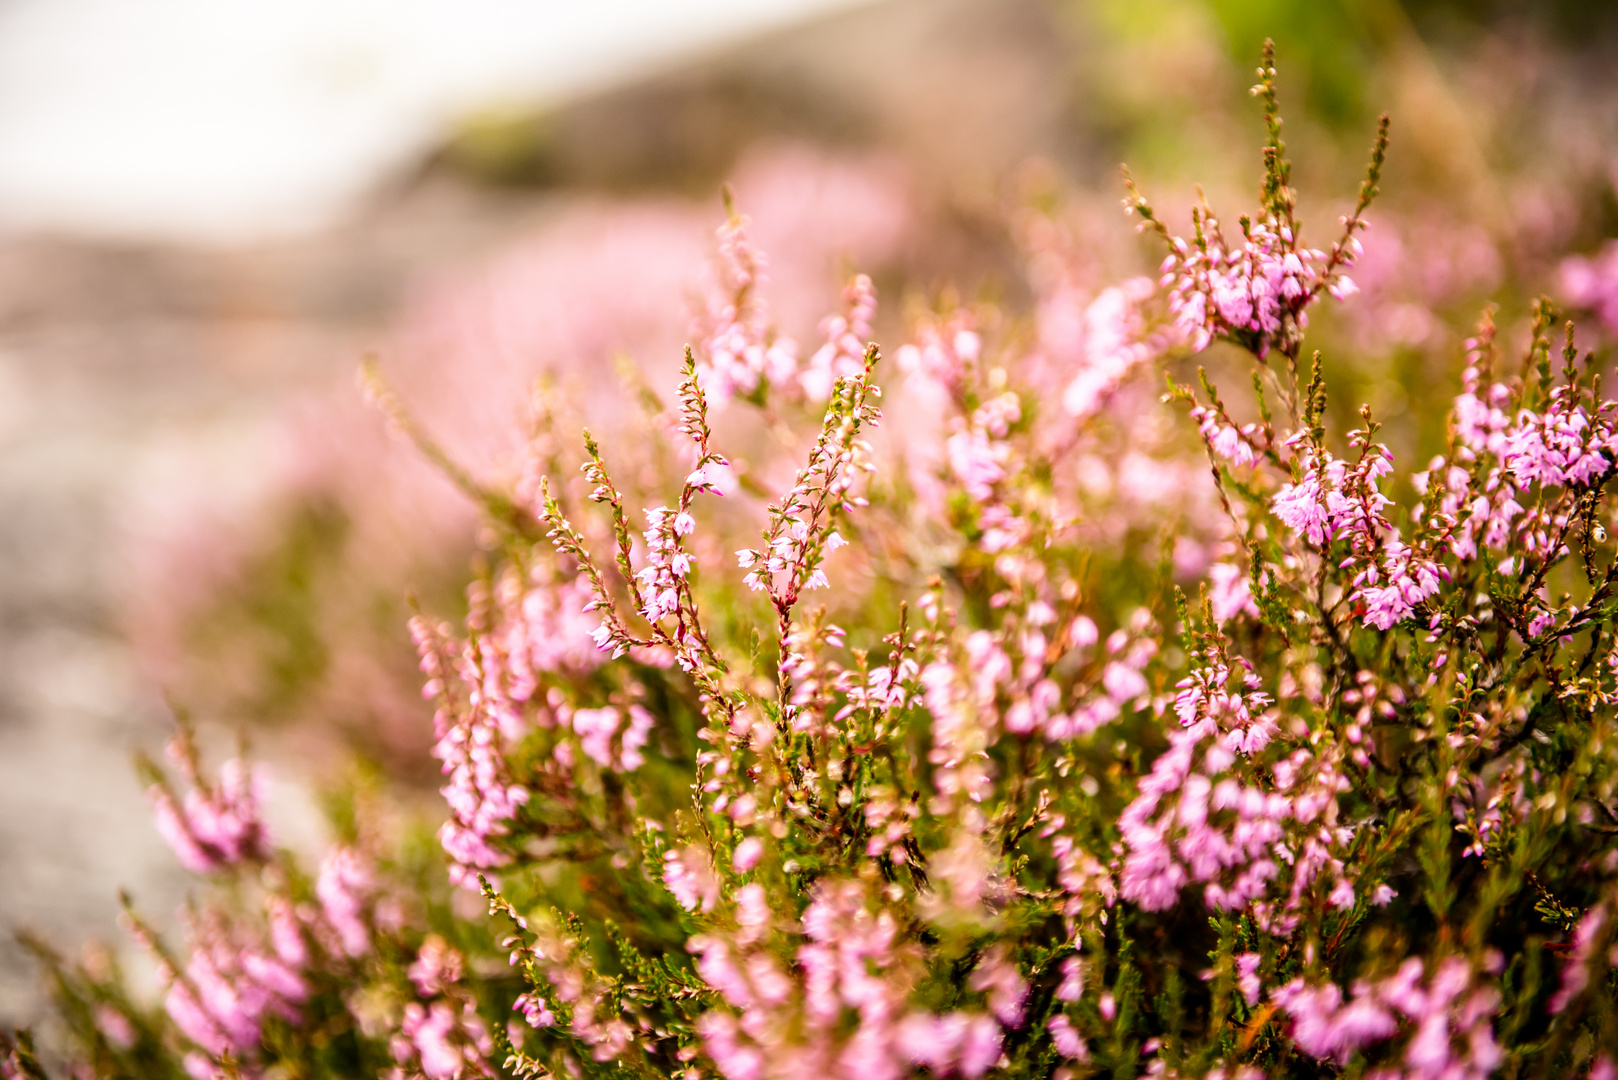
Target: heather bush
pixel 278 598
pixel 1050 725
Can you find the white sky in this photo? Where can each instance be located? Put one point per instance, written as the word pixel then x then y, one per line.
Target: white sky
pixel 226 120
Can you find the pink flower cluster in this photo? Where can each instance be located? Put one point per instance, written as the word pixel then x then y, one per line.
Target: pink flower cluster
pixel 1004 684
pixel 240 976
pixel 1226 440
pixel 690 879
pixel 1591 937
pixel 480 794
pixel 847 334
pixel 1200 817
pixel 596 728
pixel 547 630
pixel 662 579
pixel 1562 445
pixel 853 976
pixel 1336 499
pixel 1167 831
pixel 346 887
pixel 738 350
pixel 1089 340
pixel 1591 282
pixel 216 825
pixel 574 991
pixel 1452 1017
pixel 441 1036
pixel 800 536
pixel 231 985
pixel 1109 343
pixel 1255 291
pixel 1511 481
pixel 443 1041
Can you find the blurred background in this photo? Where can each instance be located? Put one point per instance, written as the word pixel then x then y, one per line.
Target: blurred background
pixel 211 210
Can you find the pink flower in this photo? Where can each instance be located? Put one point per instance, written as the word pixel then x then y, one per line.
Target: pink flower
pixel 846 333
pixel 1103 340
pixel 215 826
pixel 1576 973
pixel 534 1010
pixel 430 1030
pixel 595 729
pixel 436 967
pixel 1066 1040
pixel 688 875
pixel 737 347
pixel 748 853
pixel 1592 282
pixel 1230 592
pixel 1227 441
pixel 1247 976
pixel 1254 292
pixel 343 886
pixel 1301 508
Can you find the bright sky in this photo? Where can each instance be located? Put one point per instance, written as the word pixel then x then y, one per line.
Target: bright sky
pixel 225 120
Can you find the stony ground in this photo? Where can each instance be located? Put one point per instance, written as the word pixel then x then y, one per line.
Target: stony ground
pixel 113 364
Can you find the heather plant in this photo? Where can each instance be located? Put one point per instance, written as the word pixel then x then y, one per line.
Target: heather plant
pixel 1032 729
pixel 275 596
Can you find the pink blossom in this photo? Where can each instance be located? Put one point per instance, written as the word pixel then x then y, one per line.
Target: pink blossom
pixel 229 987
pixel 1226 440
pixel 534 1010
pixel 445 1042
pixel 1230 592
pixel 480 795
pixel 998 977
pixel 215 825
pixel 436 967
pixel 1451 1019
pixel 737 348
pixel 689 876
pixel 1301 508
pixel 1576 972
pixel 847 333
pixel 344 884
pixel 1404 581
pixel 1591 282
pixel 1254 291
pixel 595 728
pixel 748 853
pixel 1247 976
pixel 1102 341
